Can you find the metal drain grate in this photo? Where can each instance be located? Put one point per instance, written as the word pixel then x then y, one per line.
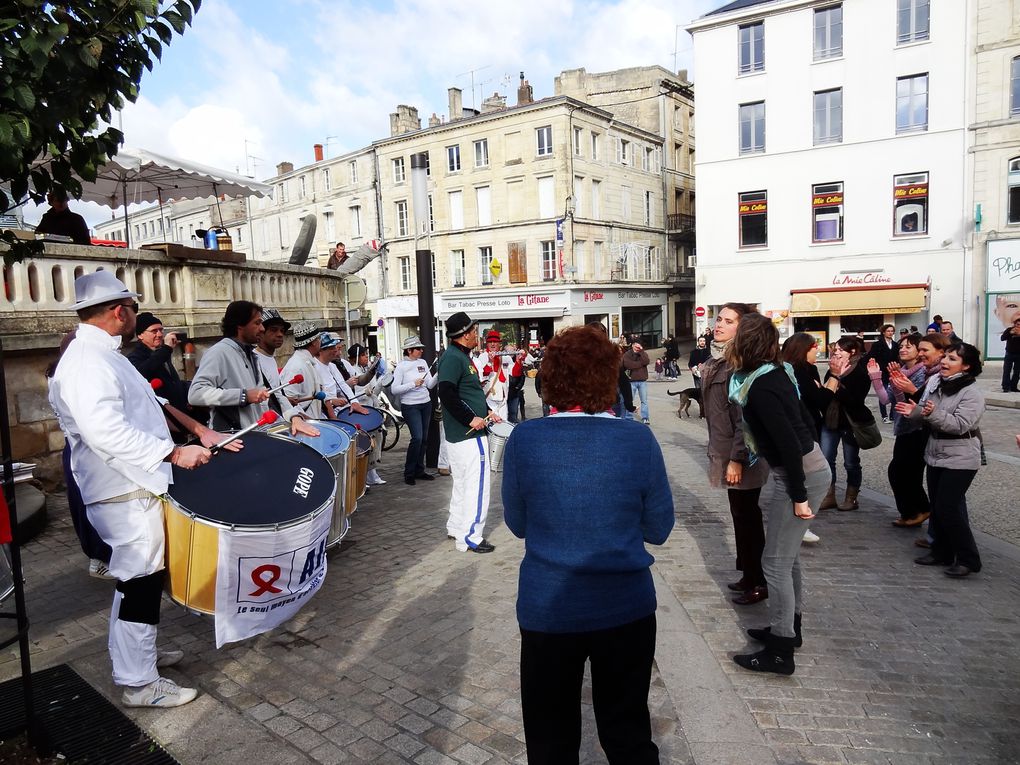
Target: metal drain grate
pixel 79 721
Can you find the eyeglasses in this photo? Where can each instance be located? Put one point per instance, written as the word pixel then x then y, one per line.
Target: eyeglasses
pixel 132 305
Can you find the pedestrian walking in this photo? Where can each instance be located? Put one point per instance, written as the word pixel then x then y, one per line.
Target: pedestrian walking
pixel 635 362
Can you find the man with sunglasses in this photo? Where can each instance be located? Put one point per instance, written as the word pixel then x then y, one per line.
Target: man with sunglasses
pixel 121 457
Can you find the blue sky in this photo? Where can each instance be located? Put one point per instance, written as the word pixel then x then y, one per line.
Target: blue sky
pixel 286 74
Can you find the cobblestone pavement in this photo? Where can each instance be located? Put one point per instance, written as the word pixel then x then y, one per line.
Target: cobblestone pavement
pixel 409 653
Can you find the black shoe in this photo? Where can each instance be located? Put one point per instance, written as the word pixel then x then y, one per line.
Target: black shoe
pixel 450 536
pixel 930 560
pixel 740 586
pixel 425 477
pixel 482 547
pixel 749 598
pixel 776 656
pixel 958 571
pixel 763 634
pixel 409 481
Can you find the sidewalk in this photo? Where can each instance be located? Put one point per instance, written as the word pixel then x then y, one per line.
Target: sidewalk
pixel 409 653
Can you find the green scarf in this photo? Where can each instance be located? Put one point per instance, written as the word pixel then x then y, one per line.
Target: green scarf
pixel 740 387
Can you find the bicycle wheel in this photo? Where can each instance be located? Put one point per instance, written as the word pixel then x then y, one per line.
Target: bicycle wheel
pixel 391 432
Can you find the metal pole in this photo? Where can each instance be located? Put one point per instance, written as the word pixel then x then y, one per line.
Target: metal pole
pixel 426 307
pixel 127 233
pixel 347 313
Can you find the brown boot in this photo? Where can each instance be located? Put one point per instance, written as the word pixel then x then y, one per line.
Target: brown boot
pixel 829 503
pixel 850 502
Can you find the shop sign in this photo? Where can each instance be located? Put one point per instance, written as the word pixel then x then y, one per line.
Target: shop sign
pixel 593 297
pixel 495 267
pixel 752 208
pixel 504 302
pixel 826 200
pixel 1004 265
pixel 910 191
pixel 868 279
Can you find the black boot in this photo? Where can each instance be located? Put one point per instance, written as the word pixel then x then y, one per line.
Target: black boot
pixel 762 634
pixel 776 656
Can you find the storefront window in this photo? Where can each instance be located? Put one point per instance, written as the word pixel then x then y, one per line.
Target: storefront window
pixel 645 323
pixel 910 204
pixel 827 212
pixel 752 210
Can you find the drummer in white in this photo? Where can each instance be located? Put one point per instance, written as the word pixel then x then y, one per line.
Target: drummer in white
pixel 121 453
pixel 494 373
pixel 362 372
pixel 306 346
pixel 338 392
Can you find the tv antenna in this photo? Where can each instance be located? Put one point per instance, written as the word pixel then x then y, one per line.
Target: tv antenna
pixel 471 73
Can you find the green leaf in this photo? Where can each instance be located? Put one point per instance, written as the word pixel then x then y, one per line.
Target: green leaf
pixel 176 21
pixel 24 97
pixel 6 131
pixel 87 58
pixel 154 46
pixel 165 33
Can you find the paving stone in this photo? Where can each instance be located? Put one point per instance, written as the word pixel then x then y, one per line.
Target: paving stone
pixel 471 754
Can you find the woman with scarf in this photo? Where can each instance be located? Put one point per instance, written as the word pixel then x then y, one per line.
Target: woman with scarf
pixel 953 455
pixel 906 468
pixel 728 459
pixel 848 383
pixel 778 429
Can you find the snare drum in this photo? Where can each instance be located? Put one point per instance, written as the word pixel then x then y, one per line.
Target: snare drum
pixel 271 484
pixel 333 443
pixel 351 489
pixel 499 432
pixel 370 423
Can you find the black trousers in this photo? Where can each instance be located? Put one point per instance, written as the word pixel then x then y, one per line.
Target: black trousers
pixel 748 533
pixel 906 473
pixel 949 525
pixel 552 672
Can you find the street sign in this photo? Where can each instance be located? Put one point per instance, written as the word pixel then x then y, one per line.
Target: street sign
pixel 699 311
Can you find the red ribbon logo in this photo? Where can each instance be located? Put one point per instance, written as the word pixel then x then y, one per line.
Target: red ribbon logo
pixel 265 577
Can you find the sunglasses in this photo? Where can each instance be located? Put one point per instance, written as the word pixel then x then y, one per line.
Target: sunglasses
pixel 132 305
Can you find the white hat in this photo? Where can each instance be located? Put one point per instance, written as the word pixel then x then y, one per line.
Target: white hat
pixel 305 333
pixel 412 342
pixel 100 287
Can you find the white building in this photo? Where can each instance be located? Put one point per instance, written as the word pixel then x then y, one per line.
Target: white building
pixel 833 181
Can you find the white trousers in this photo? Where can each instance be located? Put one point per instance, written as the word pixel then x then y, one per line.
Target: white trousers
pixel 134 529
pixel 498 406
pixel 444 454
pixel 469 504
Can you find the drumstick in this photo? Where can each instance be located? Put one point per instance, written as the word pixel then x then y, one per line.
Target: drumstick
pixel 266 419
pixel 487 418
pixel 317 396
pixel 295 380
pixel 156 384
pixel 348 404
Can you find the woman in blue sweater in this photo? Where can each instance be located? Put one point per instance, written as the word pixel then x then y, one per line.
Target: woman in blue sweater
pixel 586 491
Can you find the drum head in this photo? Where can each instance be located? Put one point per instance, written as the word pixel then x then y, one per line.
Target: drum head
pixel 271 480
pixel 330 442
pixel 503 429
pixel 371 421
pixel 346 427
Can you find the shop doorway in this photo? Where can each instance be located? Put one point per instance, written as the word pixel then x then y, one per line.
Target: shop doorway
pixel 645 324
pixel 817 326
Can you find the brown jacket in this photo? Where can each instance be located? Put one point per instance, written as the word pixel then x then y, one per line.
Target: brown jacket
pixel 636 364
pixel 725 430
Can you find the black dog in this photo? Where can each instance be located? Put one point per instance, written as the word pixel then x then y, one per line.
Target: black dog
pixel 687 395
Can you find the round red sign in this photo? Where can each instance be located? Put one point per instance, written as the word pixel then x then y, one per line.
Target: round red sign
pixel 699 311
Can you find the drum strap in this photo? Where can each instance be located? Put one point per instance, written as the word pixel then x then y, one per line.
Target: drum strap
pixel 141 598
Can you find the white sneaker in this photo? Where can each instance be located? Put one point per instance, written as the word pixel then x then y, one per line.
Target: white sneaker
pixel 169 658
pixel 886 420
pixel 374 479
pixel 162 693
pixel 99 570
pixel 810 537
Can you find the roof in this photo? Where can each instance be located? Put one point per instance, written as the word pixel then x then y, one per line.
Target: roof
pixel 736 5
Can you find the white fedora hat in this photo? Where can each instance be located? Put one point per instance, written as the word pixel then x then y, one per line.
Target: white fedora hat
pixel 100 287
pixel 412 342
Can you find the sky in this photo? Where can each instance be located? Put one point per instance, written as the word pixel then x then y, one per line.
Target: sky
pixel 256 82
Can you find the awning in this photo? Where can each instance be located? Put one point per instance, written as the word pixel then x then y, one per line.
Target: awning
pixel 844 301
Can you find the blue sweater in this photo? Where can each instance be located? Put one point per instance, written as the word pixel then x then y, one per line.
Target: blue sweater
pixel 585 493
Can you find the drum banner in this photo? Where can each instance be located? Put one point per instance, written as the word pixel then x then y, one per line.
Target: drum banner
pixel 265 577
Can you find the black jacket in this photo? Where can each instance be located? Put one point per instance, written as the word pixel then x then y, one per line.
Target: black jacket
pixel 156 365
pixel 852 391
pixel 1012 342
pixel 815 398
pixel 883 354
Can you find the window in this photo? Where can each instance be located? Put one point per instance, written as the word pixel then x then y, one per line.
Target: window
pixel 483 201
pixel 484 261
pixel 752 128
pixel 453 159
pixel 1013 191
pixel 752 47
pixel 330 220
pixel 543 137
pixel 625 203
pixel 352 169
pixel 579 271
pixel 546 198
pixel 405 273
pixel 912 103
pixel 428 166
pixel 548 261
pixel 578 194
pixel 829 116
pixel 827 212
pixel 647 159
pixel 283 192
pixel 577 141
pixel 355 221
pixel 482 153
pixel 594 145
pixel 910 204
pixel 398 170
pixel 622 151
pixel 432 215
pixel 911 20
pixel 596 199
pixel 325 179
pixel 828 32
pixel 596 258
pixel 432 265
pixel 752 209
pixel 457 267
pixel 1014 82
pixel 302 187
pixel 402 218
pixel 456 199
pixel 649 212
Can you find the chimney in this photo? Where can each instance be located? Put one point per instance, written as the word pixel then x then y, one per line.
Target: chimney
pixel 284 167
pixel 683 76
pixel 318 152
pixel 404 120
pixel 434 120
pixel 493 103
pixel 456 104
pixel 525 95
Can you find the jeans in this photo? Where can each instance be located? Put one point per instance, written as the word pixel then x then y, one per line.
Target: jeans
pixel 906 473
pixel 1010 371
pixel 830 440
pixel 417 417
pixel 640 388
pixel 949 526
pixel 552 673
pixel 781 559
pixel 748 533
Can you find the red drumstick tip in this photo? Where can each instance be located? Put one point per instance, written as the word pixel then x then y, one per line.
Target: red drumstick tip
pixel 268 418
pixel 156 384
pixel 296 380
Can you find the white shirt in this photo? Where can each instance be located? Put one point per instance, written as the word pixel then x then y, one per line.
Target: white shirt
pixel 112 420
pixel 495 389
pixel 404 376
pixel 303 363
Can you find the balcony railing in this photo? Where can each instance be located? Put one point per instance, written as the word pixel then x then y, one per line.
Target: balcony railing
pixel 680 223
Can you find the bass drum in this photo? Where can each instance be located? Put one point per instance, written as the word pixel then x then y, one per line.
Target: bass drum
pixel 271 484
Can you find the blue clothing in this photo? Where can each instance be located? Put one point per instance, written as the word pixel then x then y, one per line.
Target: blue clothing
pixel 585 493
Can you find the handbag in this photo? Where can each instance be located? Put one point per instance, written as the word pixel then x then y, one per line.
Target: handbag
pixel 866 434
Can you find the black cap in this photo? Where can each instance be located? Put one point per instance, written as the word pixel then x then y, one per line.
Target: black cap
pixel 459 324
pixel 144 321
pixel 272 316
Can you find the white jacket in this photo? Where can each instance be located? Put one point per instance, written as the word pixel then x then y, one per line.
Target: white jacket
pixel 406 372
pixel 111 418
pixel 304 364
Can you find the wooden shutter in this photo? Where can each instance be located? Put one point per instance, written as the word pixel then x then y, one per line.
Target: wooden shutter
pixel 517 255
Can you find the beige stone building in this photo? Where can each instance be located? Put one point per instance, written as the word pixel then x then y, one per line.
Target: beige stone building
pixel 995 151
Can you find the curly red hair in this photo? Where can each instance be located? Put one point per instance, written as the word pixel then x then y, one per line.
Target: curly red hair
pixel 581 368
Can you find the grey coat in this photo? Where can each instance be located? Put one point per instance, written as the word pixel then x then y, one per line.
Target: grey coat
pixel 954 414
pixel 726 431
